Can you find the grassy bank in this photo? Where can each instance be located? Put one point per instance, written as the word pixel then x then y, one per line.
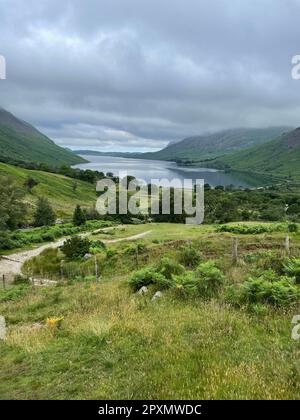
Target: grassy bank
pixel 114 343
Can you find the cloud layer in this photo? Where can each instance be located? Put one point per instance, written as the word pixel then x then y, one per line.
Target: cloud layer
pixel 133 75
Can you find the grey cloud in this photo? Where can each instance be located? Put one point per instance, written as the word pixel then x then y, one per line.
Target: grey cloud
pixel 133 75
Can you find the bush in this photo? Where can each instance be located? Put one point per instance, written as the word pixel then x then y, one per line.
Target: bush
pixel 292 268
pixel 76 247
pixel 282 292
pixel 189 256
pixel 148 276
pixel 251 229
pixel 168 267
pixel 206 281
pixel 292 227
pixel 134 248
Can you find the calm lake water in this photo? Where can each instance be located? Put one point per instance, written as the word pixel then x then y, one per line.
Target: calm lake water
pixel 157 169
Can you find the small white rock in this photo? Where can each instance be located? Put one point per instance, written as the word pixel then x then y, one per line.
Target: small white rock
pixel 143 290
pixel 157 295
pixel 87 256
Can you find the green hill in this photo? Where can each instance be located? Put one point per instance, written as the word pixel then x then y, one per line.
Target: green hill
pixel 20 141
pixel 205 147
pixel 279 157
pixel 57 188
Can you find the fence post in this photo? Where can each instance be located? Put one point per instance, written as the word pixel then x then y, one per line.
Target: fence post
pixel 3 281
pixel 235 250
pixel 62 269
pixel 137 256
pixel 287 246
pixel 96 268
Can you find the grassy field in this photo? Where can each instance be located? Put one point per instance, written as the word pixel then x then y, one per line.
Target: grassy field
pixel 113 343
pixel 57 188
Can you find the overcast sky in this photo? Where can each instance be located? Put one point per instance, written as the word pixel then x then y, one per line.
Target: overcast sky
pixel 135 74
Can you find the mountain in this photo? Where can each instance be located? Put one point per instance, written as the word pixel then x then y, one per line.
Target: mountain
pixel 204 148
pixel 279 157
pixel 209 146
pixel 20 141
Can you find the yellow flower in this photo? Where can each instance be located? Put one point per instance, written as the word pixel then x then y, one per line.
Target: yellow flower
pixel 54 323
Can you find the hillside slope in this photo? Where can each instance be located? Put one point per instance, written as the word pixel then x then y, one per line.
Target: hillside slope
pixel 57 188
pixel 279 157
pixel 21 141
pixel 205 147
pixel 212 145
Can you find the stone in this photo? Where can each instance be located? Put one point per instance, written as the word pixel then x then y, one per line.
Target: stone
pixel 157 296
pixel 143 290
pixel 87 256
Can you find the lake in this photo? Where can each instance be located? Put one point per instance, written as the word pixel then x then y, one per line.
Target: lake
pixel 158 169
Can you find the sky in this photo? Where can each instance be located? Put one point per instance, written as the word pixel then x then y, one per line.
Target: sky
pixel 133 75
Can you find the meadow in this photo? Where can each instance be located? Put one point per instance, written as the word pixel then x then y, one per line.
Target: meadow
pixel 96 338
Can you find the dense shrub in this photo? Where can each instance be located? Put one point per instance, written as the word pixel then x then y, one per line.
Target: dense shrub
pixel 168 267
pixel 251 229
pixel 147 276
pixel 132 249
pixel 282 292
pixel 76 247
pixel 190 256
pixel 292 268
pixel 206 281
pixel 97 247
pixel 20 238
pixel 292 227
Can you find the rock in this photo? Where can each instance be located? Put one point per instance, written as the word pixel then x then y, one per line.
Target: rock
pixel 143 290
pixel 87 256
pixel 157 295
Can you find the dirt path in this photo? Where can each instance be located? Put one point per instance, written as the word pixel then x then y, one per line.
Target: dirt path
pixel 12 264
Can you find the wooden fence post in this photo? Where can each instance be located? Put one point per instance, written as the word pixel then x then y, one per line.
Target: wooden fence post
pixel 3 281
pixel 287 246
pixel 235 250
pixel 137 256
pixel 96 268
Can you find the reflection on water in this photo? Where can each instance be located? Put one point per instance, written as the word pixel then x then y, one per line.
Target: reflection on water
pixel 156 169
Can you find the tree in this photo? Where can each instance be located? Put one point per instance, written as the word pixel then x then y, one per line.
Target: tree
pixel 12 208
pixel 79 217
pixel 44 214
pixel 76 247
pixel 30 183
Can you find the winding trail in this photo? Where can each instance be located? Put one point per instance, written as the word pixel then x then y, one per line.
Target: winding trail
pixel 11 265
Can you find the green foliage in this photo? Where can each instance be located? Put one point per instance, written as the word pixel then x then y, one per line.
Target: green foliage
pixel 76 247
pixel 148 276
pixel 44 214
pixel 271 289
pixel 292 268
pixel 14 293
pixel 30 183
pixel 132 249
pixel 251 229
pixel 168 267
pixel 12 208
pixel 293 227
pixel 189 256
pixel 206 281
pixel 97 247
pixel 19 239
pixel 79 217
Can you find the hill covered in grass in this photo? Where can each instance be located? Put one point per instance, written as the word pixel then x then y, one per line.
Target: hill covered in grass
pixel 220 143
pixel 20 141
pixel 279 157
pixel 59 189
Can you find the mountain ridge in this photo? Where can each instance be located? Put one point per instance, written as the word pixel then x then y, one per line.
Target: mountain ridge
pixel 21 141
